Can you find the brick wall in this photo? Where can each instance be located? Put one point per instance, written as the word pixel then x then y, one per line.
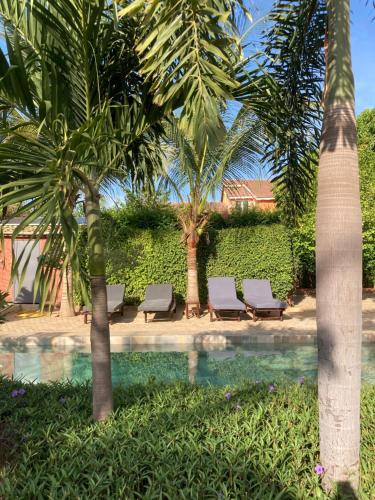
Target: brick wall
pixel 6 265
pixel 266 205
pixel 230 204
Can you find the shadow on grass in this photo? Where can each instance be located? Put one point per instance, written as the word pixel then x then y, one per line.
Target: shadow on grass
pixel 179 441
pixel 345 492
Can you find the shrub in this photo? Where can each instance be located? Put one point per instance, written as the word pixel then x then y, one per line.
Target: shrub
pixel 249 252
pixel 143 216
pixel 138 258
pixel 169 441
pixel 3 303
pixel 366 151
pixel 303 237
pixel 304 233
pixel 244 218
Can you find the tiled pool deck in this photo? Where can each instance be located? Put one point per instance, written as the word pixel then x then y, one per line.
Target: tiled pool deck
pixel 52 331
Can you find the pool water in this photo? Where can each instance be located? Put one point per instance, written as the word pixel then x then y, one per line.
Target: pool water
pixel 255 362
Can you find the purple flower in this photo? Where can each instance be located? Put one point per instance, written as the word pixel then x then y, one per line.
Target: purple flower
pixel 301 380
pixel 228 396
pixel 21 392
pixel 271 388
pixel 14 393
pixel 319 469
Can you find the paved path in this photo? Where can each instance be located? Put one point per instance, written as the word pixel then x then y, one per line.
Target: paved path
pixel 299 325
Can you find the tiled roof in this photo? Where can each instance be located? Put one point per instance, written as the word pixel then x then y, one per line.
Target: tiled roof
pixel 9 227
pixel 248 188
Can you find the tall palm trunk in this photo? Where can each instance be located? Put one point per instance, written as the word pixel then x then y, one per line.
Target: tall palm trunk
pixel 193 366
pixel 99 335
pixel 192 269
pixel 339 263
pixel 67 305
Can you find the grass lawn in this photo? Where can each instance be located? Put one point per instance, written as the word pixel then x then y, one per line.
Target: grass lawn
pixel 168 441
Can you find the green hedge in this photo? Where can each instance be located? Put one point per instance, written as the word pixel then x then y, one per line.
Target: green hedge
pixel 304 233
pixel 141 257
pixel 249 252
pixel 244 218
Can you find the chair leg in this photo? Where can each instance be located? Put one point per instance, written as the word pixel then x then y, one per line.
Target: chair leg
pixel 145 317
pixel 110 319
pixel 281 315
pixel 211 316
pixel 254 315
pixel 239 316
pixel 85 318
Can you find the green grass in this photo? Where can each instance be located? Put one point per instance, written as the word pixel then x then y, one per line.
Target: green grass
pixel 168 441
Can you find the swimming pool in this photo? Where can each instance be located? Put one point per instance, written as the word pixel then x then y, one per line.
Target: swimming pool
pixel 255 362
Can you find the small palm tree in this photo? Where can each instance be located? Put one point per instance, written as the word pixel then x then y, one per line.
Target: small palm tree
pixel 195 175
pixel 86 137
pixel 64 72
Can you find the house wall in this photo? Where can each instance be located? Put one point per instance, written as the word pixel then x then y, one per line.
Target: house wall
pixel 6 267
pixel 225 200
pixel 230 204
pixel 266 205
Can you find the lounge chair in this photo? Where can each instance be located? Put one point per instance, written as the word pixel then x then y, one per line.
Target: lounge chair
pixel 159 298
pixel 259 299
pixel 222 297
pixel 115 302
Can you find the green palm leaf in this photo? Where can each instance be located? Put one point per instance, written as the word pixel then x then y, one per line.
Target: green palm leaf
pixel 190 57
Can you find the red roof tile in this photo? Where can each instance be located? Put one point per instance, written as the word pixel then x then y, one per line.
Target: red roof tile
pixel 248 188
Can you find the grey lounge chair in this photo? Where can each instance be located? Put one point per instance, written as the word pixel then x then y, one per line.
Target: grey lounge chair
pixel 259 299
pixel 222 297
pixel 159 298
pixel 115 302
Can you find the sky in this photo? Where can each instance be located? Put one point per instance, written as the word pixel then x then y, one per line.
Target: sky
pixel 363 47
pixel 363 53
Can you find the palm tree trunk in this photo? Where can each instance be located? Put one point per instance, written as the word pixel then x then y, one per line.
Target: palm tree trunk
pixel 193 366
pixel 339 263
pixel 67 305
pixel 99 335
pixel 192 270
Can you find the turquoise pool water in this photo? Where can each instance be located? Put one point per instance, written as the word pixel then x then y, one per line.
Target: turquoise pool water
pixel 268 363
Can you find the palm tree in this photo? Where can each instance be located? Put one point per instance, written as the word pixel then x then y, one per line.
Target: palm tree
pixel 293 77
pixel 95 120
pixel 195 175
pixel 51 78
pixel 339 261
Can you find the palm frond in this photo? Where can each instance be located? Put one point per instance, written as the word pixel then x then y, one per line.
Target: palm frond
pixel 189 56
pixel 287 96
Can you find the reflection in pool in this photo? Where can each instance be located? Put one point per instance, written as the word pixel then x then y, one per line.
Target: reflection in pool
pixel 250 362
